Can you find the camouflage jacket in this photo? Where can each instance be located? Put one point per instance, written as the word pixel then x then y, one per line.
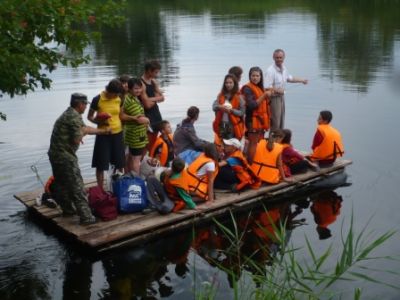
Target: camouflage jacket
pixel 67 129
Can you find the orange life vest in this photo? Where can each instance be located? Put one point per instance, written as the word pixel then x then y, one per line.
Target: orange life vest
pixel 261 116
pixel 265 162
pixel 199 185
pixel 219 144
pixel 244 173
pixel 236 121
pixel 331 146
pixel 160 142
pixel 49 182
pixel 325 211
pixel 266 223
pixel 170 185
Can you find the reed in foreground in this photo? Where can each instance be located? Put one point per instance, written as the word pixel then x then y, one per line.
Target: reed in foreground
pixel 287 272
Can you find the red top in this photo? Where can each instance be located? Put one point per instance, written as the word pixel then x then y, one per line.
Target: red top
pixel 289 157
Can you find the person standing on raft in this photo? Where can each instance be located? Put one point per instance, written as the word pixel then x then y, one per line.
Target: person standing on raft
pixel 66 137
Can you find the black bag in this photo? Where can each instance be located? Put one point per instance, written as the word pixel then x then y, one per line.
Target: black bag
pixel 158 197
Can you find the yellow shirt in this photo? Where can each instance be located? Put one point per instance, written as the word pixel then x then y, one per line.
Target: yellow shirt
pixel 113 107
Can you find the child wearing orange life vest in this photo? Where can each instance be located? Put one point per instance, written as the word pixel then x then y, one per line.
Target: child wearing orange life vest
pixel 176 186
pixel 163 147
pixel 235 173
pixel 267 162
pixel 327 144
pixel 257 109
pixel 293 161
pixel 229 110
pixel 202 172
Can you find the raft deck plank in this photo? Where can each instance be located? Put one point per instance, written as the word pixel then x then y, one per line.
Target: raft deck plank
pixel 135 228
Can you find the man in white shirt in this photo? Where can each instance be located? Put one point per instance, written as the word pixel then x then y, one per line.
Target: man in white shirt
pixel 276 78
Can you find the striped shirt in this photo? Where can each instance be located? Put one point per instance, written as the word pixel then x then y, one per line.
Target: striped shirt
pixel 135 135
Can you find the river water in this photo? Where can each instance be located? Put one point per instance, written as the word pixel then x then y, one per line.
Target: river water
pixel 349 52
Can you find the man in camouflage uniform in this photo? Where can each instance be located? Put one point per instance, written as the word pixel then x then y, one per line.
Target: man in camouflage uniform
pixel 68 132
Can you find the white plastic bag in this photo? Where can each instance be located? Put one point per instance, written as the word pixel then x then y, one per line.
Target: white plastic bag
pixel 148 166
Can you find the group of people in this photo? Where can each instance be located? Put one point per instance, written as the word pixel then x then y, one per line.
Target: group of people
pixel 130 126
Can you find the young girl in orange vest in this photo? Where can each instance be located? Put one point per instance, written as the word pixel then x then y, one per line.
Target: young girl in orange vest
pixel 229 110
pixel 267 162
pixel 257 109
pixel 293 161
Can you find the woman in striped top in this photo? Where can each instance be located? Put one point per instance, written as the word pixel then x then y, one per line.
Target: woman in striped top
pixel 135 131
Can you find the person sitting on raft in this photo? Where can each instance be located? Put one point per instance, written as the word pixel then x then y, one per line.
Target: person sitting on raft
pixel 267 161
pixel 163 148
pixel 229 110
pixel 176 185
pixel 327 144
pixel 235 173
pixel 202 172
pixel 293 161
pixel 187 144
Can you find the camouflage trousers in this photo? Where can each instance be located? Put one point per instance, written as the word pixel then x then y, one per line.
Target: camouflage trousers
pixel 69 189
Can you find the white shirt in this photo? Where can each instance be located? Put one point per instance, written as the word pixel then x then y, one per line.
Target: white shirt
pixel 276 77
pixel 207 167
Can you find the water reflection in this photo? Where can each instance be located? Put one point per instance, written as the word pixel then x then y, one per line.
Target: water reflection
pixel 143 36
pixel 326 209
pixel 20 282
pixel 243 247
pixel 148 272
pixel 77 277
pixel 355 39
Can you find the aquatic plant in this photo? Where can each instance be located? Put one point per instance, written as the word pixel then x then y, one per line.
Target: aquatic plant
pixel 301 273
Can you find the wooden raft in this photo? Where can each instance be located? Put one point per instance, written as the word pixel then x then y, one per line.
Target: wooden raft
pixel 137 228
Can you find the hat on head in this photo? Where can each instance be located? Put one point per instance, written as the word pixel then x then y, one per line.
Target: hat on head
pixel 233 142
pixel 79 97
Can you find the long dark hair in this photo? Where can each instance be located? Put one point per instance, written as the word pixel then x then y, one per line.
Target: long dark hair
pixel 192 114
pixel 257 69
pixel 235 85
pixel 211 151
pixel 287 136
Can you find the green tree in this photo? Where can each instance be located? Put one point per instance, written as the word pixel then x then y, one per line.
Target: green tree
pixel 38 35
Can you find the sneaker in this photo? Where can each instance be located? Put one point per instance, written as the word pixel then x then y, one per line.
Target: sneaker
pixel 88 221
pixel 49 202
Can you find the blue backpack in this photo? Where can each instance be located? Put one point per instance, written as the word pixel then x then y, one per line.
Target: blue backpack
pixel 131 194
